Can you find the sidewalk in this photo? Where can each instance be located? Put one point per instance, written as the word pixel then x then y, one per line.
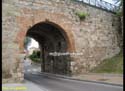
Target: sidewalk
pixel 106 78
pixel 111 79
pixel 26 86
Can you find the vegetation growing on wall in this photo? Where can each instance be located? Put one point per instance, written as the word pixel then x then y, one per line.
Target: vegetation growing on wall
pixel 111 65
pixel 81 15
pixel 119 12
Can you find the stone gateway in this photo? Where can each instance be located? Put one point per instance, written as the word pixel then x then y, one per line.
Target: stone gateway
pixel 57 28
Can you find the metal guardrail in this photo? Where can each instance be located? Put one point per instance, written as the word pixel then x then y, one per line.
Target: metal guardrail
pixel 100 4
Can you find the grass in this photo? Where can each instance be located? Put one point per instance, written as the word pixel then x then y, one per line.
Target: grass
pixel 110 65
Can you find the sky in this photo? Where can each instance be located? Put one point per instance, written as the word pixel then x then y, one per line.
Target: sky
pixel 110 1
pixel 35 43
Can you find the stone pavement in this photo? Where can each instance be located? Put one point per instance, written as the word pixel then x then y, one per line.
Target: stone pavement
pixel 26 86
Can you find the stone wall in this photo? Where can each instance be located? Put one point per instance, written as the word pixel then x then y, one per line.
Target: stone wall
pixel 97 37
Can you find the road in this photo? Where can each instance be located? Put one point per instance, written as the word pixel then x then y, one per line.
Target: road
pixel 60 84
pixel 50 83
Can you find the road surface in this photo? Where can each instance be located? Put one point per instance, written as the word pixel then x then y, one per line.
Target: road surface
pixel 61 84
pixel 50 83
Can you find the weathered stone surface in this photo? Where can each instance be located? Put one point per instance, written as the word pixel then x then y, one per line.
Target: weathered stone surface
pixel 97 37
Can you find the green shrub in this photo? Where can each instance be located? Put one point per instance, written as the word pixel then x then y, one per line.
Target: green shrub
pixel 81 15
pixel 35 56
pixel 118 13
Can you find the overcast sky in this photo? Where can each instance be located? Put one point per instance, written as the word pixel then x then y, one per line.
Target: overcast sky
pixel 34 43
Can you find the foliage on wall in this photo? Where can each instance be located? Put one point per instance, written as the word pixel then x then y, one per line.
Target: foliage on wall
pixel 81 15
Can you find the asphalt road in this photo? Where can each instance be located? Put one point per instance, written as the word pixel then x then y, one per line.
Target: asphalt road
pixel 60 84
pixel 50 83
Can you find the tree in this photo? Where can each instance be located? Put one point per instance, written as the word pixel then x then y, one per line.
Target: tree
pixel 119 12
pixel 27 42
pixel 35 56
pixel 120 4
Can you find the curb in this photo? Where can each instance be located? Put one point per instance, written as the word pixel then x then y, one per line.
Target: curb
pixel 70 78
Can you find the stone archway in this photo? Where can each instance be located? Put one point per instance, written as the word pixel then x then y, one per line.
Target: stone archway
pixel 58 20
pixel 86 37
pixel 52 38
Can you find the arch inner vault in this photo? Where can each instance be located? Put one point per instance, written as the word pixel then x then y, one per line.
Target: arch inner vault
pixel 51 39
